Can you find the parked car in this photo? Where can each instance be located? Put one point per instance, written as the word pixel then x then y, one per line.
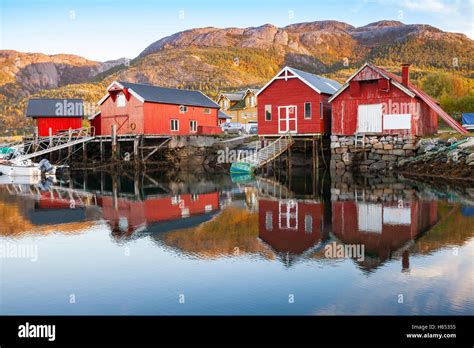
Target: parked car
pixel 253 129
pixel 233 128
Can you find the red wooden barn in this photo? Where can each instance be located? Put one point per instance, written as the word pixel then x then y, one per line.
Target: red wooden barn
pixel 295 101
pixel 145 109
pixel 55 115
pixel 375 101
pixel 290 226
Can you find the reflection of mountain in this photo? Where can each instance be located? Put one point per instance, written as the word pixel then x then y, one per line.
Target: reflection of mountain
pixel 231 233
pixel 455 229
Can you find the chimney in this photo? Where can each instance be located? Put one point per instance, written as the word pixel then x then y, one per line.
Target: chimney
pixel 405 74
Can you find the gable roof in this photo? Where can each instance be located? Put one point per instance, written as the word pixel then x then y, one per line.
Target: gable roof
pixel 238 95
pixel 235 96
pixel 156 94
pixel 223 116
pixel 409 89
pixel 318 83
pixel 55 108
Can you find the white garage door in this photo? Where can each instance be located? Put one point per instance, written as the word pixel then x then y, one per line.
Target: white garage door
pixel 369 118
pixel 369 217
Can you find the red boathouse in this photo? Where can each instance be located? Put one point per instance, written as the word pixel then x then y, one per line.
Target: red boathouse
pixel 145 109
pixel 375 101
pixel 55 115
pixel 295 101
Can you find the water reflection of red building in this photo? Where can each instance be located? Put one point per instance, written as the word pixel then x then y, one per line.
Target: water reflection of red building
pixel 126 216
pixel 291 226
pixel 383 228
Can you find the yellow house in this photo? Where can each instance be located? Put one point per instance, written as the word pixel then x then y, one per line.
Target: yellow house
pixel 241 106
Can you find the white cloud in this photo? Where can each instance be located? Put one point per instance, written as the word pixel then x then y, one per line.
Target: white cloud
pixel 436 6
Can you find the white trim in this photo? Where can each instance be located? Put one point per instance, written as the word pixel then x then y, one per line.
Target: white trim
pixel 392 81
pixel 177 122
pixel 265 112
pixel 310 111
pixel 131 91
pixel 288 119
pixel 286 77
pixel 190 130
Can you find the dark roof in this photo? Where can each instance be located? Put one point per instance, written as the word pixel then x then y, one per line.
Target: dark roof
pixel 223 115
pixel 320 83
pixel 56 216
pixel 175 96
pixel 239 105
pixel 55 108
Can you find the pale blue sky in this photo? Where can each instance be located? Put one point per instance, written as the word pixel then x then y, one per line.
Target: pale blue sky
pixel 110 29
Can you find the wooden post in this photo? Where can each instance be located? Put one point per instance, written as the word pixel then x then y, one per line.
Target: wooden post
pixel 289 161
pixel 50 131
pixel 114 191
pixel 135 150
pixel 35 136
pixel 84 152
pixel 101 150
pixel 114 142
pixel 69 149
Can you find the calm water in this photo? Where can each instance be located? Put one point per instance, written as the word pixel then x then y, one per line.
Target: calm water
pixel 145 244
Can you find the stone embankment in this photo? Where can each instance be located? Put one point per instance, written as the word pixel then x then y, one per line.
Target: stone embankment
pixel 371 153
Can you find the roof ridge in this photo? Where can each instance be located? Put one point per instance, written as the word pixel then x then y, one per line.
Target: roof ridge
pixel 155 86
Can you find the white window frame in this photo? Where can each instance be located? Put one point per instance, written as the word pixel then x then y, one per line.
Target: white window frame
pixel 121 100
pixel 252 101
pixel 191 130
pixel 310 111
pixel 177 125
pixel 268 106
pixel 183 109
pixel 269 221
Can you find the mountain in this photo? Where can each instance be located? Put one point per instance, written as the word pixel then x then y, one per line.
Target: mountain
pixel 213 59
pixel 25 73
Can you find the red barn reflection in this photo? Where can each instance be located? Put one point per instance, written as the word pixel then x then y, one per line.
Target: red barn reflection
pixel 290 226
pixel 383 228
pixel 126 216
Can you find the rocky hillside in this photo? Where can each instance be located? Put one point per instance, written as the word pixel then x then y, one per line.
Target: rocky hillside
pixel 326 43
pixel 25 73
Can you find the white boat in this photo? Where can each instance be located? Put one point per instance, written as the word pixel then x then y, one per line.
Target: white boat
pixel 10 169
pixel 24 168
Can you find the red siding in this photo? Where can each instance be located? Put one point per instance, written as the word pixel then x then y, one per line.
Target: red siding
pixel 153 118
pixel 57 124
pixel 158 119
pixel 368 88
pixel 291 92
pixel 96 123
pixel 126 118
